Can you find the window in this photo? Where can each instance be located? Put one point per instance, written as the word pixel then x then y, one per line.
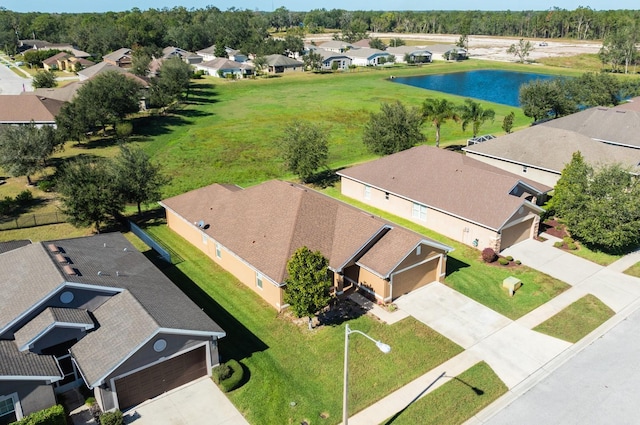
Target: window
pixel 419 250
pixel 259 280
pixel 419 211
pixel 159 345
pixel 66 297
pixel 218 251
pixel 8 412
pixel 367 192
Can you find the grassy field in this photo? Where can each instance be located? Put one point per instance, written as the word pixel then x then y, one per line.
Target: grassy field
pixel 633 270
pixel 468 274
pixel 286 362
pixel 456 401
pixel 577 320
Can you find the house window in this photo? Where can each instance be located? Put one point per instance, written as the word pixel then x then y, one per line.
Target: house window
pixel 8 411
pixel 159 345
pixel 259 280
pixel 419 250
pixel 419 212
pixel 218 251
pixel 367 192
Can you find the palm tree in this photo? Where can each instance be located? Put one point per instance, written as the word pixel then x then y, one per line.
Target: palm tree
pixel 472 112
pixel 438 111
pixel 260 62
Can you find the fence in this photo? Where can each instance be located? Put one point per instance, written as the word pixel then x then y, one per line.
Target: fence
pixel 152 243
pixel 32 220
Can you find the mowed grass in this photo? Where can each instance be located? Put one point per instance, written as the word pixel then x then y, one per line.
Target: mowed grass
pixel 577 320
pixel 286 362
pixel 594 255
pixel 633 270
pixel 456 401
pixel 468 274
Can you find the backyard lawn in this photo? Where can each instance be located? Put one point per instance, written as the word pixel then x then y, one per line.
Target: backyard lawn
pixel 288 363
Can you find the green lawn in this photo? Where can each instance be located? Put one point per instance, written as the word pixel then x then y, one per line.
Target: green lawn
pixel 286 362
pixel 468 274
pixel 456 401
pixel 633 270
pixel 598 257
pixel 577 320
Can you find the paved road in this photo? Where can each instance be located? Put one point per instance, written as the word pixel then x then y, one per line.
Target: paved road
pixel 10 82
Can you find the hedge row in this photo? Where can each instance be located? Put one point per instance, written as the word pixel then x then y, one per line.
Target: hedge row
pixel 54 415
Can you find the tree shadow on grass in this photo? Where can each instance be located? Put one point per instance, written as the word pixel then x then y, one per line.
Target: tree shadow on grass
pixel 324 179
pixel 201 94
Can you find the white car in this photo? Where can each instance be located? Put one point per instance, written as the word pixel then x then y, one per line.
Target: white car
pixel 543 44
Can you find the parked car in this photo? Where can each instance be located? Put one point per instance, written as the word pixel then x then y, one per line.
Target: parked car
pixel 543 44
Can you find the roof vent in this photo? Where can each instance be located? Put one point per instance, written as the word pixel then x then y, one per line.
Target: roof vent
pixel 69 270
pixel 60 258
pixel 200 224
pixel 53 248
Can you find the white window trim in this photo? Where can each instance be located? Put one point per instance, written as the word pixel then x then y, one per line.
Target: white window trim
pixel 419 211
pixel 17 408
pixel 218 251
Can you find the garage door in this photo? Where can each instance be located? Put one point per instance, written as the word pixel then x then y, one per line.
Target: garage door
pixel 514 234
pixel 160 378
pixel 414 278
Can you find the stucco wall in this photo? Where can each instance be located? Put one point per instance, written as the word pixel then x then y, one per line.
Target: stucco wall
pixel 33 395
pixel 541 176
pixel 448 225
pixel 228 260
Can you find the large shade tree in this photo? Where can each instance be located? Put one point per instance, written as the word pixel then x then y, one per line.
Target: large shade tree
pixel 393 129
pixel 304 149
pixel 437 112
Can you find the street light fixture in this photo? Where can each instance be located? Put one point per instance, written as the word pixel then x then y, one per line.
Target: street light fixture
pixel 386 349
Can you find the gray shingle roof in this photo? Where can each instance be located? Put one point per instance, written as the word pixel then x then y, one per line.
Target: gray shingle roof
pixel 124 326
pixel 23 109
pixel 265 224
pixel 14 363
pixel 447 181
pixel 11 245
pixel 280 60
pixel 49 318
pixel 550 148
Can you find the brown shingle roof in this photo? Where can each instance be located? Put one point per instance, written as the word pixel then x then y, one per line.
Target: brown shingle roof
pixel 14 363
pixel 265 224
pixel 17 109
pixel 54 59
pixel 446 181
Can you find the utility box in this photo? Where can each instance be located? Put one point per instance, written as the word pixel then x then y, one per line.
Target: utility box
pixel 512 284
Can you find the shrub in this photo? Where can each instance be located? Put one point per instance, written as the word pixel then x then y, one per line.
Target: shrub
pixel 567 240
pixel 233 381
pixel 221 372
pixel 518 262
pixel 46 185
pixel 90 401
pixel 509 258
pixel 503 261
pixel 6 205
pixel 572 246
pixel 489 255
pixel 24 198
pixel 54 415
pixel 558 244
pixel 112 418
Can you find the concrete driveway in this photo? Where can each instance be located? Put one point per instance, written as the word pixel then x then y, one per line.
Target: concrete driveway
pixel 199 402
pixel 10 82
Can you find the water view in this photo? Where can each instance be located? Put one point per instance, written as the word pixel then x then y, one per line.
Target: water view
pixel 490 85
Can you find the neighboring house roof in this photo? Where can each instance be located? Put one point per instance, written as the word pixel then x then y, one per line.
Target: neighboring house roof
pixel 63 94
pixel 222 64
pixel 101 67
pixel 208 50
pixel 18 109
pixel 610 125
pixel 280 60
pixel 366 53
pixel 41 44
pixel 336 44
pixel 330 55
pixel 449 182
pixel 632 104
pixel 443 48
pixel 11 245
pixel 15 364
pixel 550 149
pixel 53 60
pixel 411 50
pixel 171 51
pixel 265 224
pixel 362 43
pixel 118 54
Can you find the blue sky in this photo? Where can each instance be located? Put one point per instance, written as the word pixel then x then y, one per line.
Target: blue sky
pixel 300 5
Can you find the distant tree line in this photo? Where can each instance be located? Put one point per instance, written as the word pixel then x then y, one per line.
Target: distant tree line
pixel 248 31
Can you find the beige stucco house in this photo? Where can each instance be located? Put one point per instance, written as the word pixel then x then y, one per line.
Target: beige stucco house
pixel 459 197
pixel 253 232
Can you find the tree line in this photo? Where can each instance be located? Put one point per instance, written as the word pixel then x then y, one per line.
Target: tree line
pixel 246 30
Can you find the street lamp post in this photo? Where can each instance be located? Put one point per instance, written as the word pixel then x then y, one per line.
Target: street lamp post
pixel 381 346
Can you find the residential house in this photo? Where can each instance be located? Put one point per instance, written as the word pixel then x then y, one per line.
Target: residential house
pixel 448 51
pixel 277 64
pixel 602 135
pixel 94 311
pixel 223 67
pixel 459 197
pixel 337 46
pixel 332 59
pixel 25 45
pixel 253 232
pixel 18 110
pixel 64 61
pixel 99 68
pixel 185 56
pixel 209 54
pixel 122 58
pixel 369 57
pixel 411 54
pixel 64 94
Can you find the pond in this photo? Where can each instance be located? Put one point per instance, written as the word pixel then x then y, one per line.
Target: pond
pixel 491 85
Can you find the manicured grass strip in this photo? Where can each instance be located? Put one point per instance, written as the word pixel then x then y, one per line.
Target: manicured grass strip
pixel 456 401
pixel 598 257
pixel 287 363
pixel 633 270
pixel 468 274
pixel 577 320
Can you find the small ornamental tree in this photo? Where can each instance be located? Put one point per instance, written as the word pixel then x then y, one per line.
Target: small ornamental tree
pixel 308 284
pixel 489 255
pixel 44 80
pixel 507 122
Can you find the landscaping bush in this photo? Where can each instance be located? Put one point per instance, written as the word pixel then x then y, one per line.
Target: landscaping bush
pixel 509 258
pixel 558 244
pixel 54 415
pixel 112 418
pixel 503 261
pixel 489 255
pixel 90 401
pixel 233 381
pixel 221 372
pixel 46 185
pixel 518 262
pixel 572 246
